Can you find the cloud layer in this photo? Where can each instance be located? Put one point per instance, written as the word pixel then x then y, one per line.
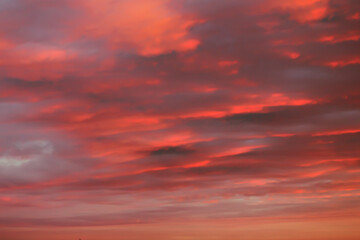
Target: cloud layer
pixel 143 116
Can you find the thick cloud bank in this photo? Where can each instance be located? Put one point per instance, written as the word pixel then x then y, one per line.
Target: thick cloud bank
pixel 183 119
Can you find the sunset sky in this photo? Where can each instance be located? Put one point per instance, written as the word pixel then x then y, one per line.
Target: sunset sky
pixel 179 119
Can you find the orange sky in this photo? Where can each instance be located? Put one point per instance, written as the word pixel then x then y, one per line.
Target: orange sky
pixel 179 119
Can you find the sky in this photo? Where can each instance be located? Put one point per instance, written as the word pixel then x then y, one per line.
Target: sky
pixel 179 119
